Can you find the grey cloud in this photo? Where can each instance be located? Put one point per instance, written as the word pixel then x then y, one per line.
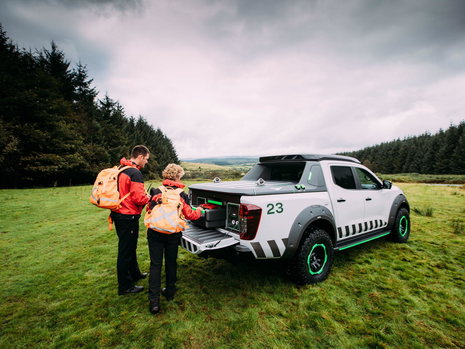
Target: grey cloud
pixel 368 30
pixel 116 4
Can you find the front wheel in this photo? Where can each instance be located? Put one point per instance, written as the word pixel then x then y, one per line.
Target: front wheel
pixel 314 259
pixel 401 230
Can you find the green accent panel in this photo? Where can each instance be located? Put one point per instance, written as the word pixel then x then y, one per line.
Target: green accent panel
pixel 324 263
pixel 401 226
pixel 215 202
pixel 362 242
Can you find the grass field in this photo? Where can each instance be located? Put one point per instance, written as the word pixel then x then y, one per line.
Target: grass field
pixel 424 178
pixel 58 286
pixel 210 171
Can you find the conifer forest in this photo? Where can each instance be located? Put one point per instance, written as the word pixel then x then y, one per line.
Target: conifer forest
pixel 439 153
pixel 55 131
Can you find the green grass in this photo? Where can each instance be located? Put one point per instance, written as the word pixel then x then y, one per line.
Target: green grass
pixel 58 286
pixel 424 178
pixel 209 171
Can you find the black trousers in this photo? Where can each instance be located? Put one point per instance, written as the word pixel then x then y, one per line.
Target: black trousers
pixel 127 229
pixel 162 244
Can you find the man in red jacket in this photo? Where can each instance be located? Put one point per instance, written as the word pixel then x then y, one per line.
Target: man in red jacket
pixel 126 220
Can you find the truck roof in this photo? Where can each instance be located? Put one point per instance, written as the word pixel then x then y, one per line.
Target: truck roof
pixel 313 157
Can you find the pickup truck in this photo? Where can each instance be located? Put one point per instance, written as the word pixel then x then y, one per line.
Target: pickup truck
pixel 297 208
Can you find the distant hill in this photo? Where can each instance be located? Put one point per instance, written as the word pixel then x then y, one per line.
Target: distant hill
pixel 237 161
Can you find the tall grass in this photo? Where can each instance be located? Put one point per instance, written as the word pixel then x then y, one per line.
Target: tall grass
pixel 59 289
pixel 427 212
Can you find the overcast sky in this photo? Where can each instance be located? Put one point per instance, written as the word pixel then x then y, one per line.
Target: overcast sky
pixel 262 77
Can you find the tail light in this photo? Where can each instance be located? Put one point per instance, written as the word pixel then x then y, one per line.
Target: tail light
pixel 249 218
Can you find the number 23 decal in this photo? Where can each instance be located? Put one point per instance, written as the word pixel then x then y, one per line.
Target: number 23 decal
pixel 275 208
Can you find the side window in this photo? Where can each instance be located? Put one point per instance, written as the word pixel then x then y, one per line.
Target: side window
pixel 343 177
pixel 367 181
pixel 315 176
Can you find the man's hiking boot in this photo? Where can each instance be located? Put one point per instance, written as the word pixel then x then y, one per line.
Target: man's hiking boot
pixel 154 306
pixel 131 290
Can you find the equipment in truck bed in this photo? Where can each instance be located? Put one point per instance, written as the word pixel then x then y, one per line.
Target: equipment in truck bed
pixel 214 216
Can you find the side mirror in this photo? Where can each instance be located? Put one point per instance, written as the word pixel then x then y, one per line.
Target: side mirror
pixel 387 184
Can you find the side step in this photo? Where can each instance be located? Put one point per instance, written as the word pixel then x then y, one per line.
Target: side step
pixel 351 242
pixel 197 240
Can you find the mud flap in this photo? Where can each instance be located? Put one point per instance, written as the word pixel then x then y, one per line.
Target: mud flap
pixel 197 240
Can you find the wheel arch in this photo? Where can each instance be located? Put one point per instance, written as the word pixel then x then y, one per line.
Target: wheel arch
pixel 315 216
pixel 399 202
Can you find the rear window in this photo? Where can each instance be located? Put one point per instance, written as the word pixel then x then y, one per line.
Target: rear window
pixel 285 172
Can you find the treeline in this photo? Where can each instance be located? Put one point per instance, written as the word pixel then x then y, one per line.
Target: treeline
pixel 54 130
pixel 440 153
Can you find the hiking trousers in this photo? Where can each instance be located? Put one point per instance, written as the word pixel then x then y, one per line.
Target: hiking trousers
pixel 162 245
pixel 127 229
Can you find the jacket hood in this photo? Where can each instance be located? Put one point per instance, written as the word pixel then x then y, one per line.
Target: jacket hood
pixel 171 183
pixel 126 162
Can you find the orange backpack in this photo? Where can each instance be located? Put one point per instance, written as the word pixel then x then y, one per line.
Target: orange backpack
pixel 167 217
pixel 105 192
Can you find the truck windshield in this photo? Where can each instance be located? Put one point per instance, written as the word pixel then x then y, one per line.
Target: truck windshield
pixel 285 172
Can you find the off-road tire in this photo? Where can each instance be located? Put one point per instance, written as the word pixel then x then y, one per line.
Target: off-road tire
pixel 313 260
pixel 401 229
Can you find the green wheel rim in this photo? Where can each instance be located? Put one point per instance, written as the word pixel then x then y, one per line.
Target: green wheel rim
pixel 403 226
pixel 317 259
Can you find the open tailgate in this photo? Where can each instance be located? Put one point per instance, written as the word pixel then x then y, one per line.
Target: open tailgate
pixel 196 239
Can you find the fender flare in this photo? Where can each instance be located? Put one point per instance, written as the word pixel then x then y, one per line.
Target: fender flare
pixel 304 219
pixel 399 201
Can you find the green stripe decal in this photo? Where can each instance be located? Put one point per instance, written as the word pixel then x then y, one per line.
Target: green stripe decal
pixel 362 242
pixel 215 202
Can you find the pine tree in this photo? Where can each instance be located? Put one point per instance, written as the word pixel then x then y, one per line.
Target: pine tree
pixel 457 159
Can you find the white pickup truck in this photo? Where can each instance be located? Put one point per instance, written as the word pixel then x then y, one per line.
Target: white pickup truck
pixel 298 208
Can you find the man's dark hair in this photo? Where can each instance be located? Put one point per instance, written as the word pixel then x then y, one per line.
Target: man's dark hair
pixel 139 150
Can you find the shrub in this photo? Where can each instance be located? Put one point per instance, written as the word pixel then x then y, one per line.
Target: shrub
pixel 427 212
pixel 458 226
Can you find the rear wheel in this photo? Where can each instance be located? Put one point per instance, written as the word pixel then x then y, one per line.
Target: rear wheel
pixel 401 230
pixel 314 259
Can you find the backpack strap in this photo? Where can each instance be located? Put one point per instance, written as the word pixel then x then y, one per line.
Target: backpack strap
pixel 110 222
pixel 179 191
pixel 121 169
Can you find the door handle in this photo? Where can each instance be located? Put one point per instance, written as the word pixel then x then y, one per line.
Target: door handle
pixel 368 199
pixel 341 200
